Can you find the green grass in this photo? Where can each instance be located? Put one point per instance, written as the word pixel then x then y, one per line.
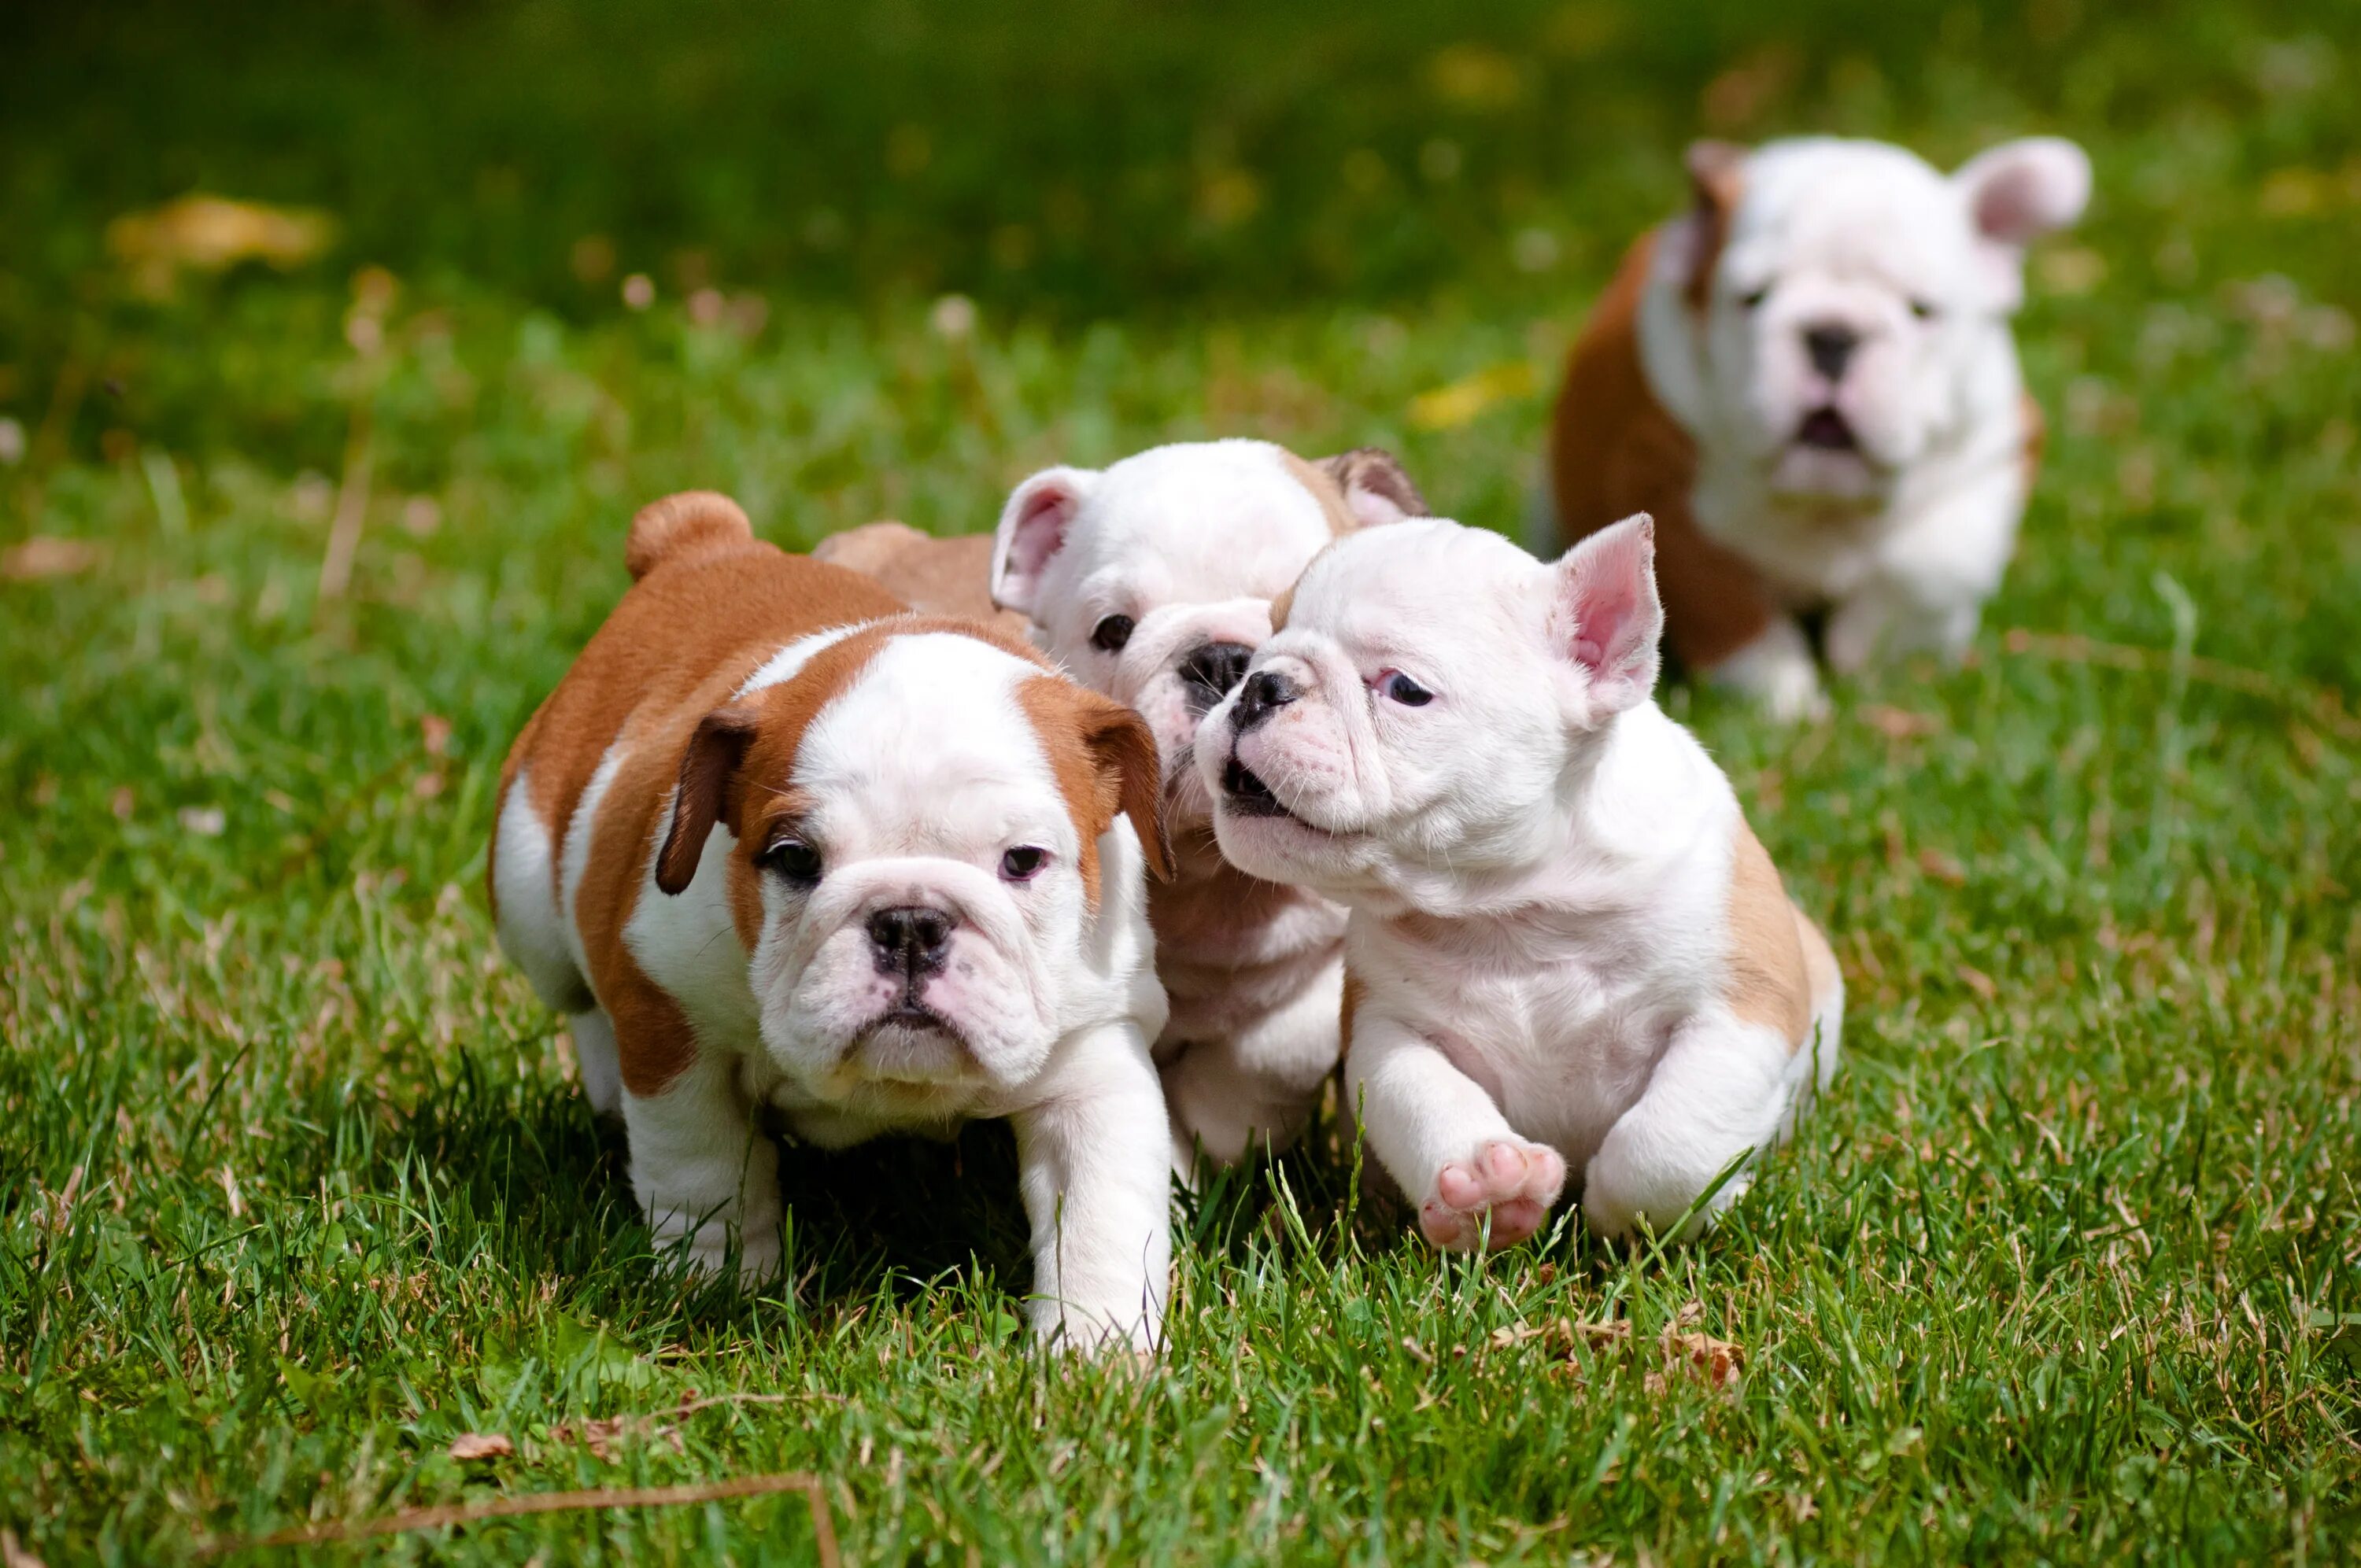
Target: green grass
pixel 293 1187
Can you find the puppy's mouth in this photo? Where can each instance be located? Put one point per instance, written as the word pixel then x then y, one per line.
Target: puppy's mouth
pixel 912 1041
pixel 1246 795
pixel 1825 430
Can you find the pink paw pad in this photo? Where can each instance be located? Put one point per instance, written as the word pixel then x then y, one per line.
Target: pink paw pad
pixel 1513 1181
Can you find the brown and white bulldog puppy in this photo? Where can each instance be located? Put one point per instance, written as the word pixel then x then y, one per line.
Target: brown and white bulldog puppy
pixel 935 576
pixel 1809 379
pixel 775 842
pixel 1152 581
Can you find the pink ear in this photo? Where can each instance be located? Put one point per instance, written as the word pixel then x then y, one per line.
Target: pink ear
pixel 1032 531
pixel 1607 617
pixel 2022 189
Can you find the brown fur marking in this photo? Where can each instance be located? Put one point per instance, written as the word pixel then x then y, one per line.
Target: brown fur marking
pixel 1717 180
pixel 1614 451
pixel 709 607
pixel 934 577
pixel 1326 491
pixel 1104 757
pixel 1768 981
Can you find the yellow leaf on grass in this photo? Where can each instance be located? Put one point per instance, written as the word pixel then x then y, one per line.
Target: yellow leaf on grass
pixel 211 234
pixel 1453 405
pixel 44 556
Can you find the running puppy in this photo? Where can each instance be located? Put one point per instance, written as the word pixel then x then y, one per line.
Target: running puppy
pixel 1567 947
pixel 775 841
pixel 1151 581
pixel 1809 379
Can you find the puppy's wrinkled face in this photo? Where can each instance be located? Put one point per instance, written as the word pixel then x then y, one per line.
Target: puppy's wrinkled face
pixel 1151 581
pixel 1419 714
pixel 916 862
pixel 1849 293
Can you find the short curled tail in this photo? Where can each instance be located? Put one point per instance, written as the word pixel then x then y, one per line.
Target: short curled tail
pixel 677 525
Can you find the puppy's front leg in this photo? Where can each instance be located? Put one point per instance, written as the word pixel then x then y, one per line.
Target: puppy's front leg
pixel 1095 1165
pixel 1776 670
pixel 1721 1089
pixel 1439 1135
pixel 702 1169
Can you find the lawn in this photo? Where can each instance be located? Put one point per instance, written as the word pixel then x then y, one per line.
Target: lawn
pixel 294 1188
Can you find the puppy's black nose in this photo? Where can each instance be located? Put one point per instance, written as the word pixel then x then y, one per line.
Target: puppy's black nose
pixel 1830 345
pixel 1211 671
pixel 912 940
pixel 1265 693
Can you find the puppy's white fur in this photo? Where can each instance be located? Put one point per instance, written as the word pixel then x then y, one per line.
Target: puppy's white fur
pixel 1191 543
pixel 1903 536
pixel 1551 943
pixel 913 780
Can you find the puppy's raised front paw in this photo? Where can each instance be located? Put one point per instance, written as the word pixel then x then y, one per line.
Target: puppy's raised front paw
pixel 1513 1181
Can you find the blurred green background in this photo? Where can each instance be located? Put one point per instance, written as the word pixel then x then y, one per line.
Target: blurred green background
pixel 293 1184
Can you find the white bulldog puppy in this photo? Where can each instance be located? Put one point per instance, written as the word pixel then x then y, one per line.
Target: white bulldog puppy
pixel 1810 381
pixel 1567 948
pixel 777 843
pixel 1151 582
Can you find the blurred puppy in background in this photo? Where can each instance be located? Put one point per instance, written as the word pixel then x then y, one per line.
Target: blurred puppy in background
pixel 1809 379
pixel 1152 581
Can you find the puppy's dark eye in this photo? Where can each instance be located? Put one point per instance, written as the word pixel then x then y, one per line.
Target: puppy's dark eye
pixel 1923 310
pixel 1405 691
pixel 1754 297
pixel 794 859
pixel 1023 863
pixel 1112 633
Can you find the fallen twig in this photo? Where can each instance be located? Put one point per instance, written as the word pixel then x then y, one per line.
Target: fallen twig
pixel 823 1521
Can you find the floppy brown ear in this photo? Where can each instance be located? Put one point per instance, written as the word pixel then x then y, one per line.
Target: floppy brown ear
pixel 1717 179
pixel 1375 490
pixel 1123 749
pixel 714 754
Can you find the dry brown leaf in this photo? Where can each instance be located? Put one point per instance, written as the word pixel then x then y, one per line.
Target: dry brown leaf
pixel 46 557
pixel 1717 1361
pixel 1900 723
pixel 482 1445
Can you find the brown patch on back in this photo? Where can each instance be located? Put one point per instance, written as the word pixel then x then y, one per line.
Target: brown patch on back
pixel 1768 983
pixel 711 608
pixel 1104 757
pixel 1614 451
pixel 1820 973
pixel 934 577
pixel 681 525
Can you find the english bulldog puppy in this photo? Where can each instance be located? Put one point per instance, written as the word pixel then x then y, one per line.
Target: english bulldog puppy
pixel 1151 581
pixel 1568 949
pixel 1809 379
pixel 777 844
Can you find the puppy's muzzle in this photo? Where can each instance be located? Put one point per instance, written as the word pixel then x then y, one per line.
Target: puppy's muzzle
pixel 1265 693
pixel 912 942
pixel 1830 346
pixel 1209 672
